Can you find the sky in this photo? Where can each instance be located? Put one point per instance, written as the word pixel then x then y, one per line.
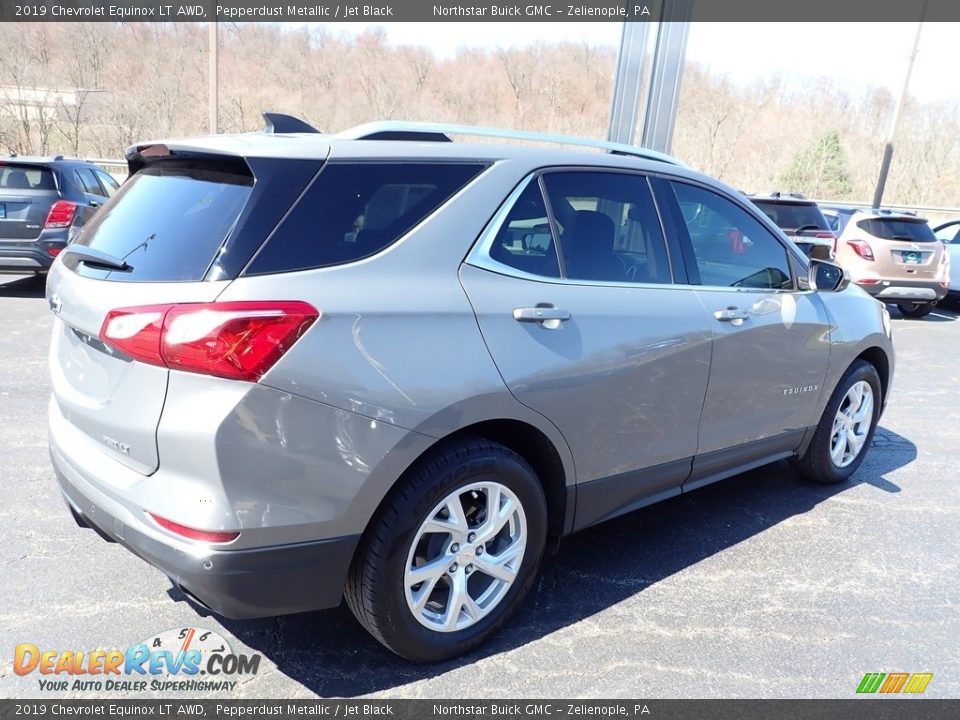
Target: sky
pixel 854 54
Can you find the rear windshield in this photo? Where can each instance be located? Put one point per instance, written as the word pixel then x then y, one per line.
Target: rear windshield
pixel 168 221
pixel 26 177
pixel 909 229
pixel 793 216
pixel 354 210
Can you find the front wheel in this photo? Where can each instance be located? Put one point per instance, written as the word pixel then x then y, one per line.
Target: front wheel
pixel 452 553
pixel 915 310
pixel 846 428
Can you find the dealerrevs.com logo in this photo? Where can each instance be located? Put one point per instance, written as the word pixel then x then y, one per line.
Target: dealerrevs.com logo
pixel 184 659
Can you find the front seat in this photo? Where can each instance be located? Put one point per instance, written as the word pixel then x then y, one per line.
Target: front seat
pixel 17 180
pixel 588 242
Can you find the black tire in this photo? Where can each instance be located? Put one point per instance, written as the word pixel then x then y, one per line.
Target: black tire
pixel 374 590
pixel 816 463
pixel 915 310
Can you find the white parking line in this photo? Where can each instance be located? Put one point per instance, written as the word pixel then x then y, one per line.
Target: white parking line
pixel 945 317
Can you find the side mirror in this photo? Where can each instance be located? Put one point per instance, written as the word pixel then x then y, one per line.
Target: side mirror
pixel 824 276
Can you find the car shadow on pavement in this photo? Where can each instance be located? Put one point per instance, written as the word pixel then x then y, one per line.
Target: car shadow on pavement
pixel 330 655
pixel 24 287
pixel 944 312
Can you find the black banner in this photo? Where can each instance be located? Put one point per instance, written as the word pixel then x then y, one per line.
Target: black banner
pixel 466 10
pixel 854 709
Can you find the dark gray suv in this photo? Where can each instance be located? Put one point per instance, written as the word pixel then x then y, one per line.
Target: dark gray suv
pixel 43 202
pixel 293 367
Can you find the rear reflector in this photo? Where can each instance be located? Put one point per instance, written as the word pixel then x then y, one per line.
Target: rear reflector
pixel 193 533
pixel 61 214
pixel 54 251
pixel 235 340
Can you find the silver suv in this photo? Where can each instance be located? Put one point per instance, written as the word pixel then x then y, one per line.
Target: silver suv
pixel 293 367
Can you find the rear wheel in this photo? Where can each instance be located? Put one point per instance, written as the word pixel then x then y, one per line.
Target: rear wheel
pixel 452 553
pixel 915 310
pixel 846 428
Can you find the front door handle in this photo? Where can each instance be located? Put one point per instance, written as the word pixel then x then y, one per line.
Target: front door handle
pixel 732 315
pixel 548 316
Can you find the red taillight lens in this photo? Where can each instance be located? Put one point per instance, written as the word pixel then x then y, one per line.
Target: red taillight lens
pixel 61 214
pixel 236 340
pixel 54 251
pixel 868 281
pixel 861 248
pixel 194 534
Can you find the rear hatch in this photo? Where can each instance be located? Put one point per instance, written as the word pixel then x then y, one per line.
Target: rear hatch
pixel 801 222
pixel 909 248
pixel 168 222
pixel 27 191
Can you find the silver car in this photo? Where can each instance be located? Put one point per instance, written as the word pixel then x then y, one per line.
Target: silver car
pixel 292 367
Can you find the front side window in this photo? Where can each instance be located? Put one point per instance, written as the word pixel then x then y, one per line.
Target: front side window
pixel 609 227
pixel 731 247
pixel 949 233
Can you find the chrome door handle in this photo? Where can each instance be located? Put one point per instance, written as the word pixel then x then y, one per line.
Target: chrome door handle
pixel 548 316
pixel 732 314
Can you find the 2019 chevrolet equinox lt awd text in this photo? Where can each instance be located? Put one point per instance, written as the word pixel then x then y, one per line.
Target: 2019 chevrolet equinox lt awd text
pixel 292 367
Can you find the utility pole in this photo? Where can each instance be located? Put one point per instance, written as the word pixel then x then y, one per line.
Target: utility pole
pixel 898 111
pixel 214 42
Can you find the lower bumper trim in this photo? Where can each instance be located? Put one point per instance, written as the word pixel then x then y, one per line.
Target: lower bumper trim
pixel 240 584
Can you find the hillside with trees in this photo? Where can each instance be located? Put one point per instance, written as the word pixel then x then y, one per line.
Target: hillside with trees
pixel 93 89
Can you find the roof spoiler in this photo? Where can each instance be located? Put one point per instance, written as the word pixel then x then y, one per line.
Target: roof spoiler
pixel 280 123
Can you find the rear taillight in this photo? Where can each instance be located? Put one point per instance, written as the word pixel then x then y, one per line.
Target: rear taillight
pixel 236 340
pixel 868 281
pixel 861 248
pixel 212 536
pixel 54 251
pixel 61 214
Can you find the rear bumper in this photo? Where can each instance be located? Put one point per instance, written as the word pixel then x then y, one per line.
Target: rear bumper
pixel 247 583
pixel 29 256
pixel 905 290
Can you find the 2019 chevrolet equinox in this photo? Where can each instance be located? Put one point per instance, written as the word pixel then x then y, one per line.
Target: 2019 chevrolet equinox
pixel 291 367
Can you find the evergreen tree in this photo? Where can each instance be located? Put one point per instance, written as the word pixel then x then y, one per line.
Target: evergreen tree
pixel 820 169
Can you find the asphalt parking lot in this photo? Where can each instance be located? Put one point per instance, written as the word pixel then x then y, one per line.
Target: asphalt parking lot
pixel 759 586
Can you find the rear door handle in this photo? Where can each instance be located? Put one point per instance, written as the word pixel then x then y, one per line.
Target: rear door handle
pixel 548 316
pixel 732 315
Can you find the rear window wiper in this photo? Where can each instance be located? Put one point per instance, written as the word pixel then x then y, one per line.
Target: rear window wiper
pixel 94 258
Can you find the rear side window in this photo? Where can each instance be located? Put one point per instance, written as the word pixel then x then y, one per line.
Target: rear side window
pixel 88 181
pixel 109 184
pixel 524 241
pixel 909 229
pixel 26 177
pixel 168 221
pixel 354 210
pixel 793 216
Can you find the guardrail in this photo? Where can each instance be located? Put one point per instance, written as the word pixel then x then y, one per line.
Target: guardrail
pixel 117 168
pixel 934 214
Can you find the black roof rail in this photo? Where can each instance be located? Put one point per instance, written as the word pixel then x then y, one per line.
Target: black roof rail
pixel 280 123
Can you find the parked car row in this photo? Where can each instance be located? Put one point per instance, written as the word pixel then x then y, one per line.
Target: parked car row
pixel 893 255
pixel 44 201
